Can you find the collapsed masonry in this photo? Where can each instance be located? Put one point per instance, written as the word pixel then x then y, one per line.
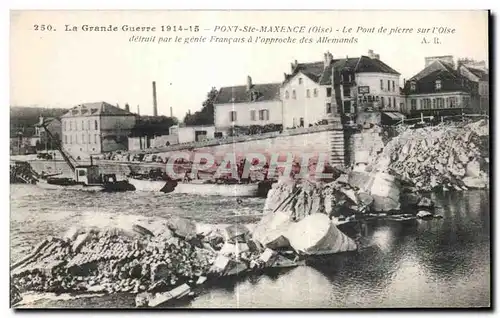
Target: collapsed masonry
pixel 448 156
pixel 167 261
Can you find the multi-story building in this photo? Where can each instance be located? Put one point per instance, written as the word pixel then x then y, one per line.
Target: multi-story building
pixel 438 89
pixel 310 95
pixel 307 93
pixel 247 105
pixel 477 73
pixel 94 128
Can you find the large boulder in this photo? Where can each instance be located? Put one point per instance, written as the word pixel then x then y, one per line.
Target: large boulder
pixel 183 228
pixel 317 235
pixel 271 229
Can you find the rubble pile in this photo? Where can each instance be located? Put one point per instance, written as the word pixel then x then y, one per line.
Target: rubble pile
pixel 164 264
pixel 111 261
pixel 353 193
pixel 448 156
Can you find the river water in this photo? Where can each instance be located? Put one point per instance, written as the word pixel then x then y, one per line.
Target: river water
pixel 436 263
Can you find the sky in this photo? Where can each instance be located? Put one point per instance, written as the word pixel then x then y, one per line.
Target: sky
pixel 63 69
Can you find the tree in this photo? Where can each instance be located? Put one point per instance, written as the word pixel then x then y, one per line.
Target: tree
pixel 153 126
pixel 206 115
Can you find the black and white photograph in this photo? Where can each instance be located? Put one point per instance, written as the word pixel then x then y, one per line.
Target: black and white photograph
pixel 257 159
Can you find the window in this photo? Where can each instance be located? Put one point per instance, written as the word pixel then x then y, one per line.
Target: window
pixel 389 102
pixel 70 125
pixel 70 139
pixel 83 136
pixel 347 107
pixel 65 139
pixel 465 101
pixel 300 80
pixel 287 95
pixel 263 114
pixel 232 116
pixel 388 85
pixel 413 104
pixel 82 125
pixel 315 92
pixel 95 139
pixel 413 86
pixel 76 138
pixel 328 92
pixel 440 102
pixel 434 103
pixel 382 85
pixel 382 102
pixel 95 125
pixel 438 85
pixel 65 128
pixel 88 124
pixel 394 88
pixel 328 108
pixel 301 122
pixel 252 115
pixel 394 102
pixel 453 102
pixel 425 103
pixel 347 91
pixel 308 93
pixel 81 173
pixel 294 96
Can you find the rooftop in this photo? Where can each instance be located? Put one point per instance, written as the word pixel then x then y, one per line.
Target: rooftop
pixel 96 109
pixel 317 72
pixel 240 94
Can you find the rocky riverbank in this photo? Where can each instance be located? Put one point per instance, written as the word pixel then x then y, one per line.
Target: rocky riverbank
pixel 447 156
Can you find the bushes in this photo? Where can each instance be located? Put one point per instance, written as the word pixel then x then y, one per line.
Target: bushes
pixel 255 129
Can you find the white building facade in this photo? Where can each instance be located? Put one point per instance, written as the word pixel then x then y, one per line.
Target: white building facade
pixel 249 105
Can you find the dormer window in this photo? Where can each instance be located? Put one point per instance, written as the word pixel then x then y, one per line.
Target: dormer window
pixel 438 85
pixel 300 80
pixel 413 86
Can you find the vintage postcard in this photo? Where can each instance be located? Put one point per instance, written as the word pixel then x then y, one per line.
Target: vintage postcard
pixel 249 159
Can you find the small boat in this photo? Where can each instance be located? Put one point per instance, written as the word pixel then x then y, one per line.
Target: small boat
pixel 227 190
pixel 200 187
pixel 67 184
pixel 147 184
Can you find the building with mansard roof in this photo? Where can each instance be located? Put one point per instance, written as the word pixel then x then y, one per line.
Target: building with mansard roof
pixel 94 128
pixel 439 89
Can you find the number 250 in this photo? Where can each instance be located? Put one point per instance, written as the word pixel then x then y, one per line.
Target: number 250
pixel 42 27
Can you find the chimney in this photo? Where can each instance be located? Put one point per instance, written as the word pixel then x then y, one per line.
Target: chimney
pixel 171 112
pixel 40 119
pixel 404 82
pixel 138 112
pixel 127 107
pixel 155 103
pixel 249 83
pixel 328 59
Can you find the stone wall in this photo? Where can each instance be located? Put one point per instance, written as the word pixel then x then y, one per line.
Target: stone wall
pixel 327 142
pixel 362 145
